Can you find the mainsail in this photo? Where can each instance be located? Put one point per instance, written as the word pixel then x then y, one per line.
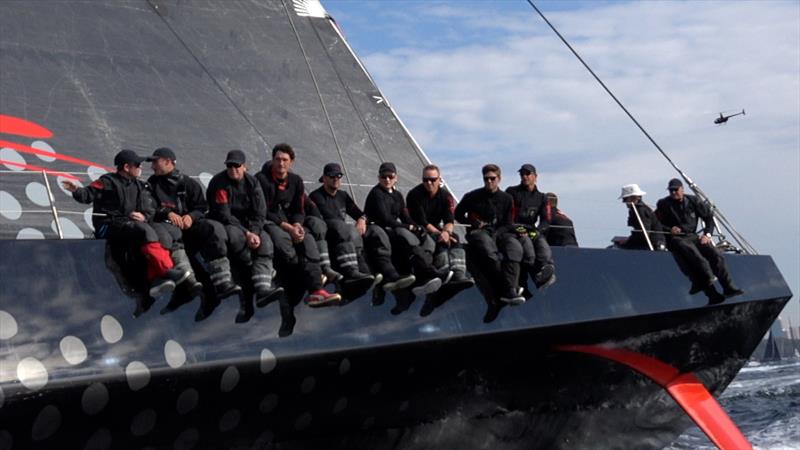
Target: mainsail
pixel 201 77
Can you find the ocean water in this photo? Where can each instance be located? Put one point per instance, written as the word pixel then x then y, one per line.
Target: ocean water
pixel 764 400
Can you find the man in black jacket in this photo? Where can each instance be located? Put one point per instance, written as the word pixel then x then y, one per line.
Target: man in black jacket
pixel 488 212
pixel 530 207
pixel 334 205
pixel 392 230
pixel 181 207
pixel 431 207
pixel 696 254
pixel 561 232
pixel 123 211
pixel 284 196
pixel 632 197
pixel 235 200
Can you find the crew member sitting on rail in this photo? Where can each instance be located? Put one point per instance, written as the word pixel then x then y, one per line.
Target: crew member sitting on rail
pixel 123 210
pixel 235 200
pixel 294 245
pixel 641 216
pixel 561 232
pixel 678 213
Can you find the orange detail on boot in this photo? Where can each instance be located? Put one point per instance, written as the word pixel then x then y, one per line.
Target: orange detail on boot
pixel 158 260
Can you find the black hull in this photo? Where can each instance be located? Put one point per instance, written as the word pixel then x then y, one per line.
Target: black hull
pixel 358 376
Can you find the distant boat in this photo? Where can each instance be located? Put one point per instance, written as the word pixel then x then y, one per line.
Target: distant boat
pixel 771 353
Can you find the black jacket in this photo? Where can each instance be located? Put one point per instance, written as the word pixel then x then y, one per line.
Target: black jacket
pixel 530 207
pixel 237 202
pixel 178 193
pixel 116 196
pixel 684 214
pixel 480 205
pixel 387 209
pixel 558 234
pixel 651 223
pixel 335 207
pixel 284 197
pixel 424 209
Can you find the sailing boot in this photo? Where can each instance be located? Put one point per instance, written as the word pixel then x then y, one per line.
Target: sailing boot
pixel 702 285
pixel 181 260
pixel 262 274
pixel 428 280
pixel 392 280
pixel 510 273
pixel 321 297
pixel 160 269
pixel 714 297
pixel 329 275
pixel 220 273
pixel 458 264
pixel 728 288
pixel 349 265
pixel 545 277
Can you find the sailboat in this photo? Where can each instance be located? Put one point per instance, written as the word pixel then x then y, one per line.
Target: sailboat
pixel 594 362
pixel 771 352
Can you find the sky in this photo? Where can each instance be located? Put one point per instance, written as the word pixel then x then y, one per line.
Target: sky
pixel 488 81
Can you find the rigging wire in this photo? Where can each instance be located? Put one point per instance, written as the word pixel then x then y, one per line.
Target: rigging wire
pixel 718 216
pixel 321 100
pixel 208 73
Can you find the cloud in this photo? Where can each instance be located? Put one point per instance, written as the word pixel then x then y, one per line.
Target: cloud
pixel 492 83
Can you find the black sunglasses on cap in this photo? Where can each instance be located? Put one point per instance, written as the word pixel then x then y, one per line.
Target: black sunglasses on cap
pixel 233 165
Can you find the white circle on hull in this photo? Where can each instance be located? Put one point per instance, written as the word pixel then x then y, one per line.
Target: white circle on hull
pixel 187 401
pixel 302 422
pixel 174 354
pixel 268 361
pixel 37 193
pixel 8 325
pixel 204 178
pixel 94 399
pixel 138 375
pixel 100 440
pixel 46 423
pixel 143 423
pixel 61 178
pixel 95 172
pixel 268 404
pixel 68 228
pixel 187 440
pixel 308 385
pixel 32 373
pixel 344 366
pixel 340 405
pixel 73 350
pixel 111 329
pixel 230 378
pixel 229 420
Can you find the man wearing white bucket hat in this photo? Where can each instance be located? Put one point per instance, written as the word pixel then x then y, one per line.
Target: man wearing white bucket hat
pixel 646 227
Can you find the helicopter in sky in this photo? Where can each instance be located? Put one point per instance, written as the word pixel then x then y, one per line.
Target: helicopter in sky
pixel 722 119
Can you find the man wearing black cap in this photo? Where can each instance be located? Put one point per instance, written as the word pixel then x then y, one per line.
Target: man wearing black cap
pixel 392 232
pixel 695 254
pixel 235 200
pixel 431 207
pixel 123 209
pixel 530 207
pixel 180 212
pixel 348 245
pixel 488 212
pixel 294 245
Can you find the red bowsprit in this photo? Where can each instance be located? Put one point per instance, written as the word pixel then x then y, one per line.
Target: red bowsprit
pixel 684 388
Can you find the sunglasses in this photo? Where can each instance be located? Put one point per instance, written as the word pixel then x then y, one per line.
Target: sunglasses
pixel 525 173
pixel 490 178
pixel 430 179
pixel 338 175
pixel 673 189
pixel 388 176
pixel 233 165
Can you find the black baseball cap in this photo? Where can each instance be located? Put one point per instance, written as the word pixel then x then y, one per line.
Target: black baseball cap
pixel 162 152
pixel 674 184
pixel 527 168
pixel 127 157
pixel 331 170
pixel 387 167
pixel 235 157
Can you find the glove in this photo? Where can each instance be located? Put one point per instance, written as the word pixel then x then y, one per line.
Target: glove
pixel 533 234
